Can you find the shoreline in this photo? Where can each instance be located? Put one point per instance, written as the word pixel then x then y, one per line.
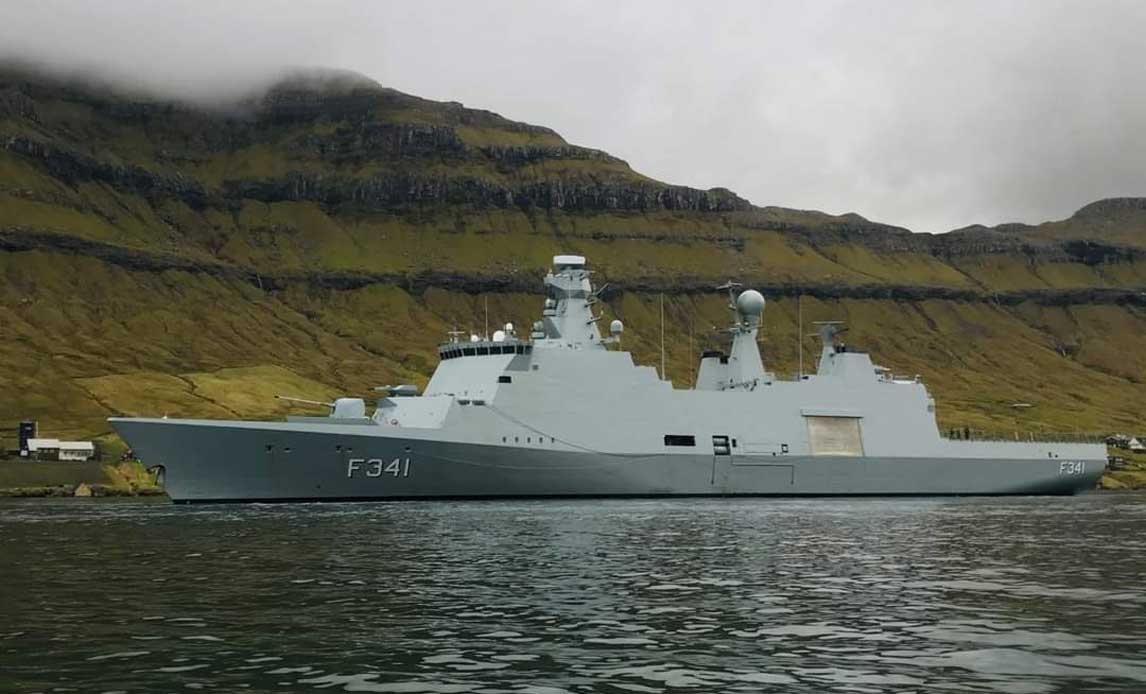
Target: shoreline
pixel 58 493
pixel 94 491
pixel 31 479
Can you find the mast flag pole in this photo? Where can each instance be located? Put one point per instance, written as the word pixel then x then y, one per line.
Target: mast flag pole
pixel 662 337
pixel 800 332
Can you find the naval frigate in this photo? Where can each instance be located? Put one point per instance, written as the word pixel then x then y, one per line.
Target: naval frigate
pixel 566 412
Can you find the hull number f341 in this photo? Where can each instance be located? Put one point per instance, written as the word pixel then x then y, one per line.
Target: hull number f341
pixel 376 467
pixel 1069 468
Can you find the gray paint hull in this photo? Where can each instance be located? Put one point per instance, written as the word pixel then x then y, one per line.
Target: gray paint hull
pixel 219 462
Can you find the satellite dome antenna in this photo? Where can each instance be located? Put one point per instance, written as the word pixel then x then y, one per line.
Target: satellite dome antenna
pixel 750 307
pixel 615 330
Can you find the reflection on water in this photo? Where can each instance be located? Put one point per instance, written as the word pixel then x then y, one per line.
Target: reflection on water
pixel 1013 595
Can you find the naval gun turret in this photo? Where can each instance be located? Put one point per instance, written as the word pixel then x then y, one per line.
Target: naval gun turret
pixel 342 408
pixel 742 368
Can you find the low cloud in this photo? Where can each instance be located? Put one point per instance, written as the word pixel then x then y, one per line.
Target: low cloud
pixel 930 115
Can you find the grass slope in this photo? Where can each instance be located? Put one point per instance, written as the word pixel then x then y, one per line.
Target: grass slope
pixel 85 340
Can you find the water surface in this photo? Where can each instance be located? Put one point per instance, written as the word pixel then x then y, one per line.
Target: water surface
pixel 867 595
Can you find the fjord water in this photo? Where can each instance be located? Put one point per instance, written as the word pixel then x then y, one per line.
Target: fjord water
pixel 858 595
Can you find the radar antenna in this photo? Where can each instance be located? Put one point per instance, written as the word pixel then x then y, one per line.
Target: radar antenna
pixel 594 297
pixel 731 288
pixel 829 329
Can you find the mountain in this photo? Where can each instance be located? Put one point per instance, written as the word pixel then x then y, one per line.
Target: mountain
pixel 1110 223
pixel 322 236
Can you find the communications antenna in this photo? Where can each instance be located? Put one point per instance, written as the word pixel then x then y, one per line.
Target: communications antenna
pixel 662 336
pixel 800 332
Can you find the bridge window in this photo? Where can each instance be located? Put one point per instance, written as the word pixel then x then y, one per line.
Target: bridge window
pixel 505 379
pixel 680 440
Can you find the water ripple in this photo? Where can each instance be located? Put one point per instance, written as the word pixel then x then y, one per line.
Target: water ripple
pixel 1026 596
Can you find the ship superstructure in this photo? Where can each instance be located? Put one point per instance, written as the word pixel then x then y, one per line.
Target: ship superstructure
pixel 567 412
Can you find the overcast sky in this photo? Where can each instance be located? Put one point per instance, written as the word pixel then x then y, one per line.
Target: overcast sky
pixel 929 115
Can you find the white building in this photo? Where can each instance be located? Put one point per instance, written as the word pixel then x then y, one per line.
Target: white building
pixel 1136 446
pixel 77 451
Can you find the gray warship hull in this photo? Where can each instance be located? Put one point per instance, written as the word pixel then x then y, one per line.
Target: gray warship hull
pixel 567 413
pixel 212 462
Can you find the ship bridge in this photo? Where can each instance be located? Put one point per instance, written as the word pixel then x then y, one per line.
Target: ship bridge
pixel 482 348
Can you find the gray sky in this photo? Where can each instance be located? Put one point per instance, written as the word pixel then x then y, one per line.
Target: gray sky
pixel 930 115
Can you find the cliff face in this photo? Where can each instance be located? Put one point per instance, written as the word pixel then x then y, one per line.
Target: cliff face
pixel 332 230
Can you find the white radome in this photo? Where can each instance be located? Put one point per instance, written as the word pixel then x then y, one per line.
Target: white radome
pixel 616 328
pixel 750 303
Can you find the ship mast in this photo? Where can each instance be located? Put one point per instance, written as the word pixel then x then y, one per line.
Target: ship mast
pixel 662 337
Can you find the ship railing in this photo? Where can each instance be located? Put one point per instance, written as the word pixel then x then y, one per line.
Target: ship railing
pixel 966 434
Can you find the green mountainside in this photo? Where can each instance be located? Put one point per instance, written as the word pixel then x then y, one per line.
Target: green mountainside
pixel 323 236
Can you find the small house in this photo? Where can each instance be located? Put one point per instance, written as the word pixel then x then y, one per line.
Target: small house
pixel 1118 440
pixel 55 449
pixel 1136 446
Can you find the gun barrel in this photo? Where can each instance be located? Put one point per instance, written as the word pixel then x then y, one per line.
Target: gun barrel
pixel 303 401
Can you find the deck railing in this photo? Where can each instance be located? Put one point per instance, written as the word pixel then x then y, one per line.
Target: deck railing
pixel 967 434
